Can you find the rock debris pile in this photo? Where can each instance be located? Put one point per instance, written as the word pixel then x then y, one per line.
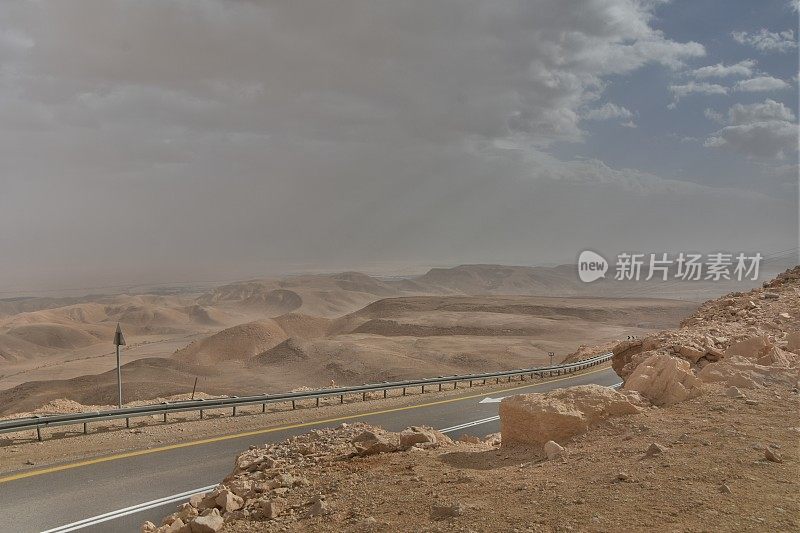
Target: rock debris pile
pixel 285 483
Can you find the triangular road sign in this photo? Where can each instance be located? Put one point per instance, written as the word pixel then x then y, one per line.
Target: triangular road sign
pixel 119 338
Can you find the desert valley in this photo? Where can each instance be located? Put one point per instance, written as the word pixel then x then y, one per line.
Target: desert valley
pixel 273 335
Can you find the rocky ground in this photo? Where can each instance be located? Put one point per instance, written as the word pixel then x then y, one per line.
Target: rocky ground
pixel 703 437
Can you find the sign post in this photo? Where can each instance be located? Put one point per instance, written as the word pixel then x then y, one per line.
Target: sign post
pixel 119 340
pixel 551 354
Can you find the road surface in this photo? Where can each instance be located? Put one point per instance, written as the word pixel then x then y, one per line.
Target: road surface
pixel 132 489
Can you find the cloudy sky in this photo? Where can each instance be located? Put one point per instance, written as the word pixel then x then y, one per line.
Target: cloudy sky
pixel 147 140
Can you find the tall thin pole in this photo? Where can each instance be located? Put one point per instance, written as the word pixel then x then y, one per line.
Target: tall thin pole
pixel 119 379
pixel 119 340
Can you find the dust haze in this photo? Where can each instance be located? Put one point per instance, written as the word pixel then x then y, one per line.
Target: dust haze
pixel 153 142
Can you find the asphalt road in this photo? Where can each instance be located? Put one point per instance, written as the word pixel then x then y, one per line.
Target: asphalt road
pixel 55 499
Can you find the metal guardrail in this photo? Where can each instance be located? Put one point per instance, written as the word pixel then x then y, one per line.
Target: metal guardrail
pixel 39 422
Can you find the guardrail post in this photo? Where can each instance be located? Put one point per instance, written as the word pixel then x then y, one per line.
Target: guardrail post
pixel 234 410
pixel 127 422
pixel 39 433
pixel 455 385
pixel 470 383
pixel 363 396
pixel 341 398
pixel 165 417
pixel 85 428
pixel 404 391
pixel 201 414
pixel 317 401
pixel 484 381
pixel 264 406
pixel 293 405
pixel 440 387
pixel 384 393
pixel 423 389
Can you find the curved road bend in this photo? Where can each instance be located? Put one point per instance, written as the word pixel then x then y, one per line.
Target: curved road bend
pixel 50 500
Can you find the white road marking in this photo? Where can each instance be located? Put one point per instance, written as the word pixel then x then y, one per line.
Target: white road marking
pixel 119 513
pixel 470 424
pixel 489 399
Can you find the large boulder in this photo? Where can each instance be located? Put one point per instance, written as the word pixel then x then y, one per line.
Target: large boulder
pixel 793 342
pixel 210 522
pixel 752 348
pixel 625 357
pixel 747 374
pixel 664 380
pixel 777 357
pixel 371 443
pixel 535 419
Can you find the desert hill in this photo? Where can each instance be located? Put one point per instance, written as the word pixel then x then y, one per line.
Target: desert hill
pixel 238 342
pixel 144 378
pixel 398 338
pixel 321 295
pixel 500 279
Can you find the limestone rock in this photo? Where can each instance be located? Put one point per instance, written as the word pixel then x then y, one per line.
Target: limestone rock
pixel 208 523
pixel 733 392
pixel 553 450
pixel 227 501
pixel 148 527
pixel 627 354
pixel 691 354
pixel 371 443
pixel 195 499
pixel 415 435
pixel 177 526
pixel 318 507
pixel 752 348
pixel 772 455
pixel 534 419
pixel 273 508
pixel 747 374
pixel 447 510
pixel 664 380
pixel 654 450
pixel 793 342
pixel 777 357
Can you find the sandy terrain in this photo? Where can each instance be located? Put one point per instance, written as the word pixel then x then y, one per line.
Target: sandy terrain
pixel 395 338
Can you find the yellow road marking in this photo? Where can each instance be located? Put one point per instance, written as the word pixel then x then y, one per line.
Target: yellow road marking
pixel 136 453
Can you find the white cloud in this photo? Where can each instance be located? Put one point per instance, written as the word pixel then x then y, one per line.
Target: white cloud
pixel 607 111
pixel 761 84
pixel 766 110
pixel 794 5
pixel 714 115
pixel 764 130
pixel 629 124
pixel 720 70
pixel 767 41
pixel 692 87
